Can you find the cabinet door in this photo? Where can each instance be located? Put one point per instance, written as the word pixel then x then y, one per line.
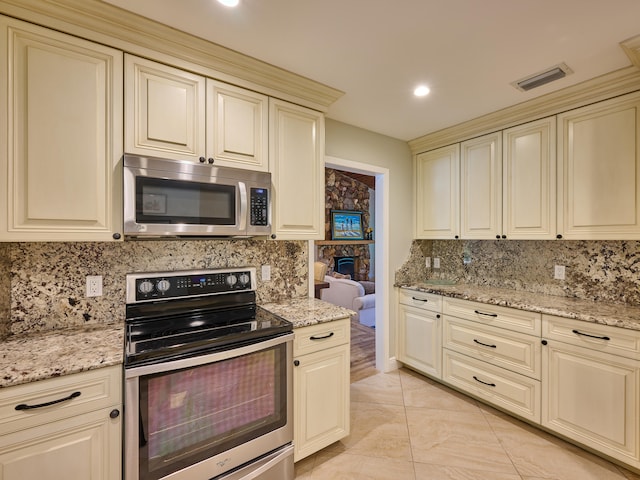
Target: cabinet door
pixel 164 111
pixel 86 446
pixel 296 162
pixel 481 187
pixel 60 175
pixel 529 180
pixel 599 170
pixel 592 397
pixel 237 127
pixel 420 340
pixel 437 193
pixel 321 400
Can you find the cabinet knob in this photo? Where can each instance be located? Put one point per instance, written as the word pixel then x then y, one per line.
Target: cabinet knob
pixel 296 362
pixel 211 160
pixel 544 342
pixel 117 236
pixel 438 315
pixel 273 236
pixel 558 236
pixel 497 236
pixel 115 413
pixel 202 159
pixel 504 236
pixel 456 237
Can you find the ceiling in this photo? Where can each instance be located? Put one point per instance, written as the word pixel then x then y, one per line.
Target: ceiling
pixel 376 51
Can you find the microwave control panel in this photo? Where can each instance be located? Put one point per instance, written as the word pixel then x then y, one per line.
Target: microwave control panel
pixel 259 206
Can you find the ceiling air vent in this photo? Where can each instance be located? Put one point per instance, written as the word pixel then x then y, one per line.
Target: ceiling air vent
pixel 537 80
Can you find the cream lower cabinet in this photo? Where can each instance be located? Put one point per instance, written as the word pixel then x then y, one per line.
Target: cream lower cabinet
pixel 493 353
pixel 321 404
pixel 591 386
pixel 436 193
pixel 420 332
pixel 60 170
pixel 172 113
pixel 599 170
pixel 296 162
pixel 76 439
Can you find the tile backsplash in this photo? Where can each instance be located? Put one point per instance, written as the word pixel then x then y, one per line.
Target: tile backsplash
pixel 607 271
pixel 42 285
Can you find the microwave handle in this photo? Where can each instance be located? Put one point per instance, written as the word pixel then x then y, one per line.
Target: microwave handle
pixel 242 188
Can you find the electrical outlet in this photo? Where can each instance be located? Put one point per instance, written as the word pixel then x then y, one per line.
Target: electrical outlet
pixel 427 262
pixel 436 263
pixel 266 273
pixel 558 272
pixel 94 285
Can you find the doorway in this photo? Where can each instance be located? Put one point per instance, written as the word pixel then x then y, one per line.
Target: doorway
pixel 381 256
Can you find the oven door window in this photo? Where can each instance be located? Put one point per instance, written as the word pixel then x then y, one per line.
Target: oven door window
pixel 192 414
pixel 166 201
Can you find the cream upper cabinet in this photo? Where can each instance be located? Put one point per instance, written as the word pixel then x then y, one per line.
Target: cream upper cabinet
pixel 436 193
pixel 599 170
pixel 481 187
pixel 529 180
pixel 164 111
pixel 296 162
pixel 237 127
pixel 60 171
pixel 175 114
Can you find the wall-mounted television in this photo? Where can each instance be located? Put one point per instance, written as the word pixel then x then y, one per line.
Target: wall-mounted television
pixel 346 225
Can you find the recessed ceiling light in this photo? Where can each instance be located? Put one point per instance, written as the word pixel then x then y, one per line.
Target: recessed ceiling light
pixel 421 91
pixel 229 3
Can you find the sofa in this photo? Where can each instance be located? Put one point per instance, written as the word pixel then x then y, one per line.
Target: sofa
pixel 351 294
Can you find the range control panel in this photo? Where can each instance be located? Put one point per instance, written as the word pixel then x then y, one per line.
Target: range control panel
pixel 167 285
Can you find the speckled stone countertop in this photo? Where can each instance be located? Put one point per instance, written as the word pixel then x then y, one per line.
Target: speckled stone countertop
pixel 31 357
pixel 307 311
pixel 617 315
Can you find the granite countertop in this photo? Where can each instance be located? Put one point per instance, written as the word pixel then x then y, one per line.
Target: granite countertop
pixel 617 315
pixel 305 311
pixel 38 356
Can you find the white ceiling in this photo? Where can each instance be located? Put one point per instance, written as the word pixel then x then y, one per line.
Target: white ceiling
pixel 377 51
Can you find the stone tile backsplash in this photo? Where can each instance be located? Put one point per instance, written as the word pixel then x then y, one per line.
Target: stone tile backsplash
pixel 607 271
pixel 42 285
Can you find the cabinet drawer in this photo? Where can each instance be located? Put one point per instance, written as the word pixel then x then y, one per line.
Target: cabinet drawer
pixel 323 335
pixel 511 350
pixel 503 317
pixel 603 338
pixel 510 391
pixel 97 389
pixel 422 300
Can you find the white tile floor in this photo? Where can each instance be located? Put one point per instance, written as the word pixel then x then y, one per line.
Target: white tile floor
pixel 407 427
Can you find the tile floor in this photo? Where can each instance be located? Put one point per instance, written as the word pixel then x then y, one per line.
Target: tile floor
pixel 407 427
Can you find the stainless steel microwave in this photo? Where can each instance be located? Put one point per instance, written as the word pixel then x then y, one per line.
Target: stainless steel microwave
pixel 170 198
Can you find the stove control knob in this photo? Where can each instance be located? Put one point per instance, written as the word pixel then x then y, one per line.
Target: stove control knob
pixel 145 286
pixel 231 280
pixel 244 279
pixel 163 285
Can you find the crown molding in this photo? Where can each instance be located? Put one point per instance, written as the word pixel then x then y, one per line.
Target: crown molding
pixel 631 47
pixel 613 84
pixel 104 23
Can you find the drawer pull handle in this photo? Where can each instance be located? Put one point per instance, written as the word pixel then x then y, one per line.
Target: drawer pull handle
pixel 24 406
pixel 329 335
pixel 577 332
pixel 486 314
pixel 485 344
pixel 484 383
pixel 419 299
